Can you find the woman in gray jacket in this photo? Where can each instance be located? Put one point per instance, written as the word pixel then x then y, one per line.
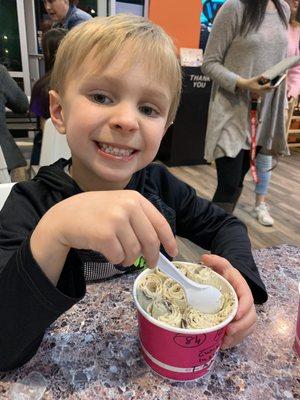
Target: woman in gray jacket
pixel 247 38
pixel 14 98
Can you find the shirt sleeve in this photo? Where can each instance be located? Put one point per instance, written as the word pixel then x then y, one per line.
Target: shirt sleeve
pixel 29 302
pixel 16 99
pixel 223 32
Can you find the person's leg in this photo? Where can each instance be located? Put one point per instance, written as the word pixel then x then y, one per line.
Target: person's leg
pixel 261 212
pixel 264 166
pixel 229 171
pixel 244 170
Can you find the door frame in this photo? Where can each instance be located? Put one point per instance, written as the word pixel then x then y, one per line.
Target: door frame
pixel 24 74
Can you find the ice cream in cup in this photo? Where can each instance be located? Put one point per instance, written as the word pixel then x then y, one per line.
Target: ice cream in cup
pixel 177 341
pixel 297 337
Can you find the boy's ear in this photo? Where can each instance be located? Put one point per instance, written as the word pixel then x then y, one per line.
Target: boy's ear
pixel 56 111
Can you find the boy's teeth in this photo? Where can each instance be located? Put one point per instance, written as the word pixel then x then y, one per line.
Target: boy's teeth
pixel 115 150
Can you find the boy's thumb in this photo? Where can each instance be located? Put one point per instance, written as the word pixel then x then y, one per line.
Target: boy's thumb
pixel 215 262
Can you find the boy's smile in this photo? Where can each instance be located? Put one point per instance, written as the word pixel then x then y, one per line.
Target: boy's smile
pixel 114 121
pixel 110 150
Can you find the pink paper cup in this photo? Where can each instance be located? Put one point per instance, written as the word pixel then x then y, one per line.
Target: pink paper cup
pixel 176 353
pixel 297 337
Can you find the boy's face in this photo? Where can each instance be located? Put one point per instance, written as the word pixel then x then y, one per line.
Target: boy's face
pixel 114 121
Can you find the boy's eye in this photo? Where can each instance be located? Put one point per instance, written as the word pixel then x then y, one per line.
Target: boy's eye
pixel 149 111
pixel 100 98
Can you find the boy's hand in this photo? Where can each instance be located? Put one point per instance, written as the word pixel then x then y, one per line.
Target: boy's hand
pixel 121 225
pixel 245 319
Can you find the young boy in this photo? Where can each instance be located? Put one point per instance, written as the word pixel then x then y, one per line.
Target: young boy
pixel 116 86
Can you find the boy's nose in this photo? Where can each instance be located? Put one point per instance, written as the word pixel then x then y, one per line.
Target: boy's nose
pixel 124 120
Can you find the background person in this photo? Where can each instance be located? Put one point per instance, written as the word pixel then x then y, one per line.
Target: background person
pixel 65 14
pixel 239 49
pixel 14 98
pixel 293 76
pixel 39 101
pixel 264 161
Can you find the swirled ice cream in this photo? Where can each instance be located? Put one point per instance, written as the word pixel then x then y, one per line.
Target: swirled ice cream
pixel 164 299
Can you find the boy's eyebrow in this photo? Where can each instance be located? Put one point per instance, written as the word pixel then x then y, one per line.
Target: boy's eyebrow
pixel 148 90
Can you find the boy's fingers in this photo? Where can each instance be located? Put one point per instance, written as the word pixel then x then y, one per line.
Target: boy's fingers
pixel 113 251
pixel 217 263
pixel 243 324
pixel 237 331
pixel 162 228
pixel 243 292
pixel 223 267
pixel 147 237
pixel 131 245
pixel 230 341
pixel 245 298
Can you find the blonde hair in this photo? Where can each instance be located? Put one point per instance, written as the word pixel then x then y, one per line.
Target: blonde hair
pixel 105 37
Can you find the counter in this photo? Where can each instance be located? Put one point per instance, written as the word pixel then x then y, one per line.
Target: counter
pixel 92 352
pixel 184 141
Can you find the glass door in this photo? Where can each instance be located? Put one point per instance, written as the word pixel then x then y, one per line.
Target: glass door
pixel 10 49
pixel 13 42
pixel 22 23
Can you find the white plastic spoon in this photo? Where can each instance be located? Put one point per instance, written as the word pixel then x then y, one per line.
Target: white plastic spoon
pixel 205 298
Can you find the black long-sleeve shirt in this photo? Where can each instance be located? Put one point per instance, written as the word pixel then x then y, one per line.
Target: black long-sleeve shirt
pixel 29 302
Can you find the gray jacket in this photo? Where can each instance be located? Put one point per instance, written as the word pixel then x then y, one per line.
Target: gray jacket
pixel 11 96
pixel 228 56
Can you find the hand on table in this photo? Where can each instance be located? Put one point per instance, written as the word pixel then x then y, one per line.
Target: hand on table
pixel 244 322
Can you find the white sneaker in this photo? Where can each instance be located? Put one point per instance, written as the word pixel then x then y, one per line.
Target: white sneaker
pixel 261 213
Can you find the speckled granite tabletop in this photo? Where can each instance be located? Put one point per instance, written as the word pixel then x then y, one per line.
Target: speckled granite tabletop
pixel 92 351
